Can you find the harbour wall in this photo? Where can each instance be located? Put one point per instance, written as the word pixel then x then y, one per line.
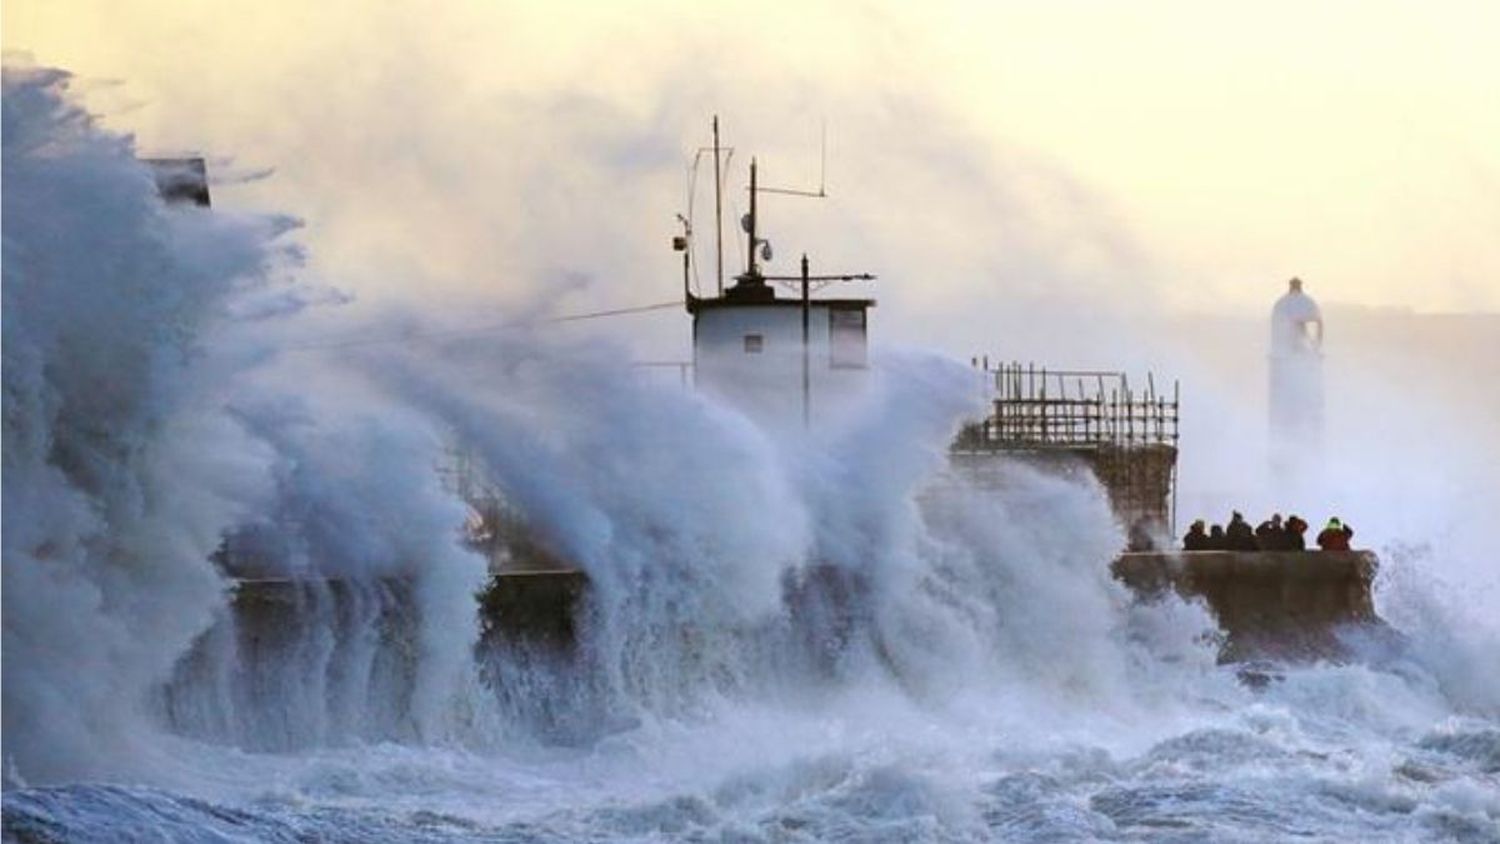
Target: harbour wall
pixel 1269 604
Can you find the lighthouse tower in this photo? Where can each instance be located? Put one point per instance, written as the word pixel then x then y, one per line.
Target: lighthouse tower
pixel 1296 387
pixel 781 359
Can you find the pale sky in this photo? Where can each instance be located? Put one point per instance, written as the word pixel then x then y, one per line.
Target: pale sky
pixel 1184 155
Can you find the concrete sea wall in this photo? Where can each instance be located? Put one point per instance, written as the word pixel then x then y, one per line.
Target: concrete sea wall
pixel 1276 604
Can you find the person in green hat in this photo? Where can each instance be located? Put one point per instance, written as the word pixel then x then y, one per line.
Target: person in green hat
pixel 1336 536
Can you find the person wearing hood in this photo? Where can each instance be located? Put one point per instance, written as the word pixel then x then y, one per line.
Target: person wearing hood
pixel 1336 536
pixel 1296 533
pixel 1217 540
pixel 1239 534
pixel 1196 539
pixel 1271 535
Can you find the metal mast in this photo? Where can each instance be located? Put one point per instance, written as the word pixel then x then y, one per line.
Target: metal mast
pixel 806 357
pixel 750 269
pixel 718 210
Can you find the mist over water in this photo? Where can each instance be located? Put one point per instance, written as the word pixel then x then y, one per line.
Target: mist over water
pixel 977 674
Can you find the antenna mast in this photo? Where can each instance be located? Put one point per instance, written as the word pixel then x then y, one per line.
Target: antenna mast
pixel 718 210
pixel 750 268
pixel 823 161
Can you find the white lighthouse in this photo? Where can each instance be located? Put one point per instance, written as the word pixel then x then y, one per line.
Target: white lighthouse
pixel 1296 387
pixel 781 359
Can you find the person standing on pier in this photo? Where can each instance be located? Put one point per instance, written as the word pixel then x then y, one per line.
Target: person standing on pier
pixel 1217 540
pixel 1336 536
pixel 1296 533
pixel 1196 539
pixel 1271 535
pixel 1239 534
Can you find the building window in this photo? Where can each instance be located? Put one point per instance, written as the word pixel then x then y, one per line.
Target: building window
pixel 754 343
pixel 846 338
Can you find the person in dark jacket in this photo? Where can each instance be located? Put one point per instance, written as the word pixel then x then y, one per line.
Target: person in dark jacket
pixel 1196 539
pixel 1239 533
pixel 1336 536
pixel 1271 534
pixel 1296 533
pixel 1217 541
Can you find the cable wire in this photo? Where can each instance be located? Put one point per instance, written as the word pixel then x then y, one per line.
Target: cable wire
pixel 470 332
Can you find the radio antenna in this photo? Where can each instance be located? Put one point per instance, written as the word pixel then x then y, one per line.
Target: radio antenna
pixel 718 210
pixel 822 191
pixel 823 159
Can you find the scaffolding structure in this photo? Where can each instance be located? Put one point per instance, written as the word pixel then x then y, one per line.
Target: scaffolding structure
pixel 1127 438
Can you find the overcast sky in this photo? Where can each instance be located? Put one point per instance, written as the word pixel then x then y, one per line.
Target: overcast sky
pixel 1165 156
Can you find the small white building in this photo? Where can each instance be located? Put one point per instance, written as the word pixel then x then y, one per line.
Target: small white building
pixel 749 348
pixel 780 359
pixel 1296 384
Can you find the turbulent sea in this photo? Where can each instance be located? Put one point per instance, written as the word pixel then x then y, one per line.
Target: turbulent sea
pixel 1319 758
pixel 980 678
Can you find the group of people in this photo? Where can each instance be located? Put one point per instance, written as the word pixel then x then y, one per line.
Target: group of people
pixel 1273 534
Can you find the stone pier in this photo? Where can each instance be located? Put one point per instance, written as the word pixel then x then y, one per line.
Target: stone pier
pixel 1270 604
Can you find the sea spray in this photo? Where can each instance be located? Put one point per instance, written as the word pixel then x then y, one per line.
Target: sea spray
pixel 675 508
pixel 729 560
pixel 145 428
pixel 314 663
pixel 114 490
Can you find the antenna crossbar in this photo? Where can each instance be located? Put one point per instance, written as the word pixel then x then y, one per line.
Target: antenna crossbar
pixel 813 194
pixel 849 277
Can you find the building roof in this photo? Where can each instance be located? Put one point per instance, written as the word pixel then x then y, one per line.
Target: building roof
pixel 697 304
